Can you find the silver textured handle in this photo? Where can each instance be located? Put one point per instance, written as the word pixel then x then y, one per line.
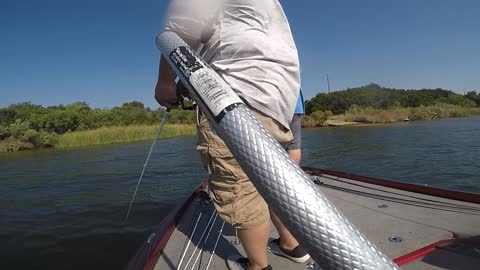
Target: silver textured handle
pixel 331 240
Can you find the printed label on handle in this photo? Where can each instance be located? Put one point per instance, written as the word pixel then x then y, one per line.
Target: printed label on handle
pixel 216 94
pixel 208 85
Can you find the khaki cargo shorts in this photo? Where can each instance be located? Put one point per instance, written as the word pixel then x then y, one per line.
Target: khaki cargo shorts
pixel 235 198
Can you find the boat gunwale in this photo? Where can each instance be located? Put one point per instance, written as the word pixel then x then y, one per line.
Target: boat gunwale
pixel 427 190
pixel 421 252
pixel 147 255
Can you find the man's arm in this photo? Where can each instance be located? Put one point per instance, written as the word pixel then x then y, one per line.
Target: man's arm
pixel 166 89
pixel 189 19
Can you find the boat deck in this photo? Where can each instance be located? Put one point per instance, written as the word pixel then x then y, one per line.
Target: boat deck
pixel 379 212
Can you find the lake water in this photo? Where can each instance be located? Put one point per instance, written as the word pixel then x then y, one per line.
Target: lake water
pixel 65 209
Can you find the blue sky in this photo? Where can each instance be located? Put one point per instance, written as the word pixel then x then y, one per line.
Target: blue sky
pixel 103 52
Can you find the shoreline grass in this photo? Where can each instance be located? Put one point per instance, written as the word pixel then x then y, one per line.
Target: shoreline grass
pixel 397 114
pixel 360 115
pixel 121 134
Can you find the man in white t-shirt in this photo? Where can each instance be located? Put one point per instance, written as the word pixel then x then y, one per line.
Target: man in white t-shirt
pixel 250 45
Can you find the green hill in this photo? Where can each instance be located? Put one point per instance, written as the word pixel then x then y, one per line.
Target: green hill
pixel 377 97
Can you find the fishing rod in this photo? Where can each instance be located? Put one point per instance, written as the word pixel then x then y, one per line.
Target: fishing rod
pixel 189 241
pixel 181 100
pixel 215 247
pixel 162 123
pixel 213 218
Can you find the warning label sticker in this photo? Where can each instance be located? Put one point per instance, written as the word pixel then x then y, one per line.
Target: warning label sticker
pixel 215 92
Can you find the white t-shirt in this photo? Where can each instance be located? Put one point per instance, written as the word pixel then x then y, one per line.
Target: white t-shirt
pixel 249 44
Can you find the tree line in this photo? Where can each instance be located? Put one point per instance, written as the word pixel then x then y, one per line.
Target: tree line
pixel 27 125
pixel 79 116
pixel 377 97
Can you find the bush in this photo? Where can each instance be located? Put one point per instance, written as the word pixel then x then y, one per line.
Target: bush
pixel 438 111
pixel 181 117
pixel 4 133
pixel 315 119
pixel 472 95
pixel 307 121
pixel 321 116
pixel 18 128
pixel 19 136
pixel 47 139
pixel 30 136
pixel 11 145
pixel 7 116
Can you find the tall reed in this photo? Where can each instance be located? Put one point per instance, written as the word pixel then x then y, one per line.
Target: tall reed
pixel 372 115
pixel 119 134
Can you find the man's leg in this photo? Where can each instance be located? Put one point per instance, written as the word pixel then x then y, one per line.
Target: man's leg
pixel 254 242
pixel 287 245
pixel 295 154
pixel 287 241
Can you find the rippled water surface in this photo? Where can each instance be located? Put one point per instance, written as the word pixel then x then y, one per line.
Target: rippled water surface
pixel 65 209
pixel 443 153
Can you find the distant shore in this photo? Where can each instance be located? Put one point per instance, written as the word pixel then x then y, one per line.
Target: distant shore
pixel 26 126
pixel 355 116
pixel 110 135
